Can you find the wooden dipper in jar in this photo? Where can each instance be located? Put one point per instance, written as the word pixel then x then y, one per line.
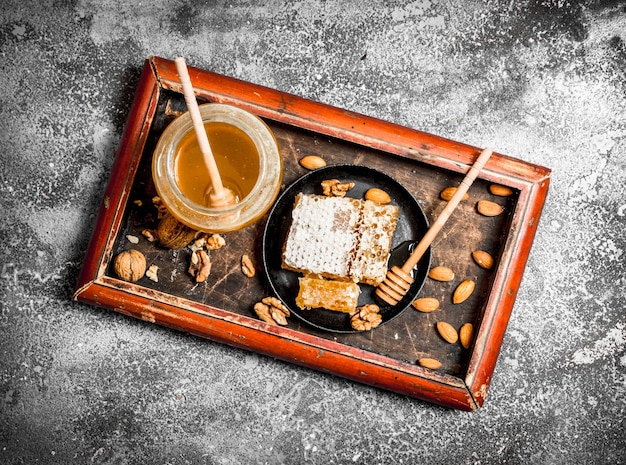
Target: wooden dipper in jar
pixel 398 280
pixel 217 195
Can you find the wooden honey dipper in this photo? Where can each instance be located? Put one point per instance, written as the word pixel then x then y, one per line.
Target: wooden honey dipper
pixel 217 194
pixel 398 280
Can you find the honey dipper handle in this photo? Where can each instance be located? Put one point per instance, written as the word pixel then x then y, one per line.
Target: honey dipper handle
pixel 432 232
pixel 198 125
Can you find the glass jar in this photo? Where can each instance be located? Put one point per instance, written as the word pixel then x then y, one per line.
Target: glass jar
pixel 228 128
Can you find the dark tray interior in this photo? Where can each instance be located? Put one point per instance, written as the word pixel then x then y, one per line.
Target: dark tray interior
pixel 406 338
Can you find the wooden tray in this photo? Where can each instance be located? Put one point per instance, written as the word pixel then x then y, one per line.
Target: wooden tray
pixel 221 308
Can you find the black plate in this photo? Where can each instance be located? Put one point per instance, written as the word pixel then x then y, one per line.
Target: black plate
pixel 411 226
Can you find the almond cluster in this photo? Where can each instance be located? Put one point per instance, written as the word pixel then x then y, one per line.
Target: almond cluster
pixel 466 287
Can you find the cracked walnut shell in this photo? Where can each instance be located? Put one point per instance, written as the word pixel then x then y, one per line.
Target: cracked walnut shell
pixel 173 234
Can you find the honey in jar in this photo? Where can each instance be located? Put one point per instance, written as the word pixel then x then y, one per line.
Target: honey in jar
pixel 247 157
pixel 236 157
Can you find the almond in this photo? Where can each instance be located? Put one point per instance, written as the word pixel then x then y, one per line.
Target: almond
pixel 448 192
pixel 378 196
pixel 441 273
pixel 465 334
pixel 489 208
pixel 429 363
pixel 447 332
pixel 483 259
pixel 463 291
pixel 312 162
pixel 426 304
pixel 500 190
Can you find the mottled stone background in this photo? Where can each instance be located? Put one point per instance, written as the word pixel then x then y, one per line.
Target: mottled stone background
pixel 543 81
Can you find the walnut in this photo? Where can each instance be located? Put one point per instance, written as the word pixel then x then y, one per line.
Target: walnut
pixel 200 266
pixel 247 267
pixel 263 312
pixel 152 273
pixel 160 206
pixel 272 311
pixel 278 316
pixel 150 235
pixel 130 265
pixel 212 242
pixel 198 244
pixel 274 302
pixel 215 242
pixel 366 317
pixel 173 234
pixel 334 188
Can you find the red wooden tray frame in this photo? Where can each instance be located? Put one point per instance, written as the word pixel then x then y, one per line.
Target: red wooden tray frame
pixel 467 393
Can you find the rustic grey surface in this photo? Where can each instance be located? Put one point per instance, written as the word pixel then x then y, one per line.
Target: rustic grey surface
pixel 544 81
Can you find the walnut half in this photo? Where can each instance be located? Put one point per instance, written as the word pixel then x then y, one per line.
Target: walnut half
pixel 200 266
pixel 334 188
pixel 272 311
pixel 247 267
pixel 366 317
